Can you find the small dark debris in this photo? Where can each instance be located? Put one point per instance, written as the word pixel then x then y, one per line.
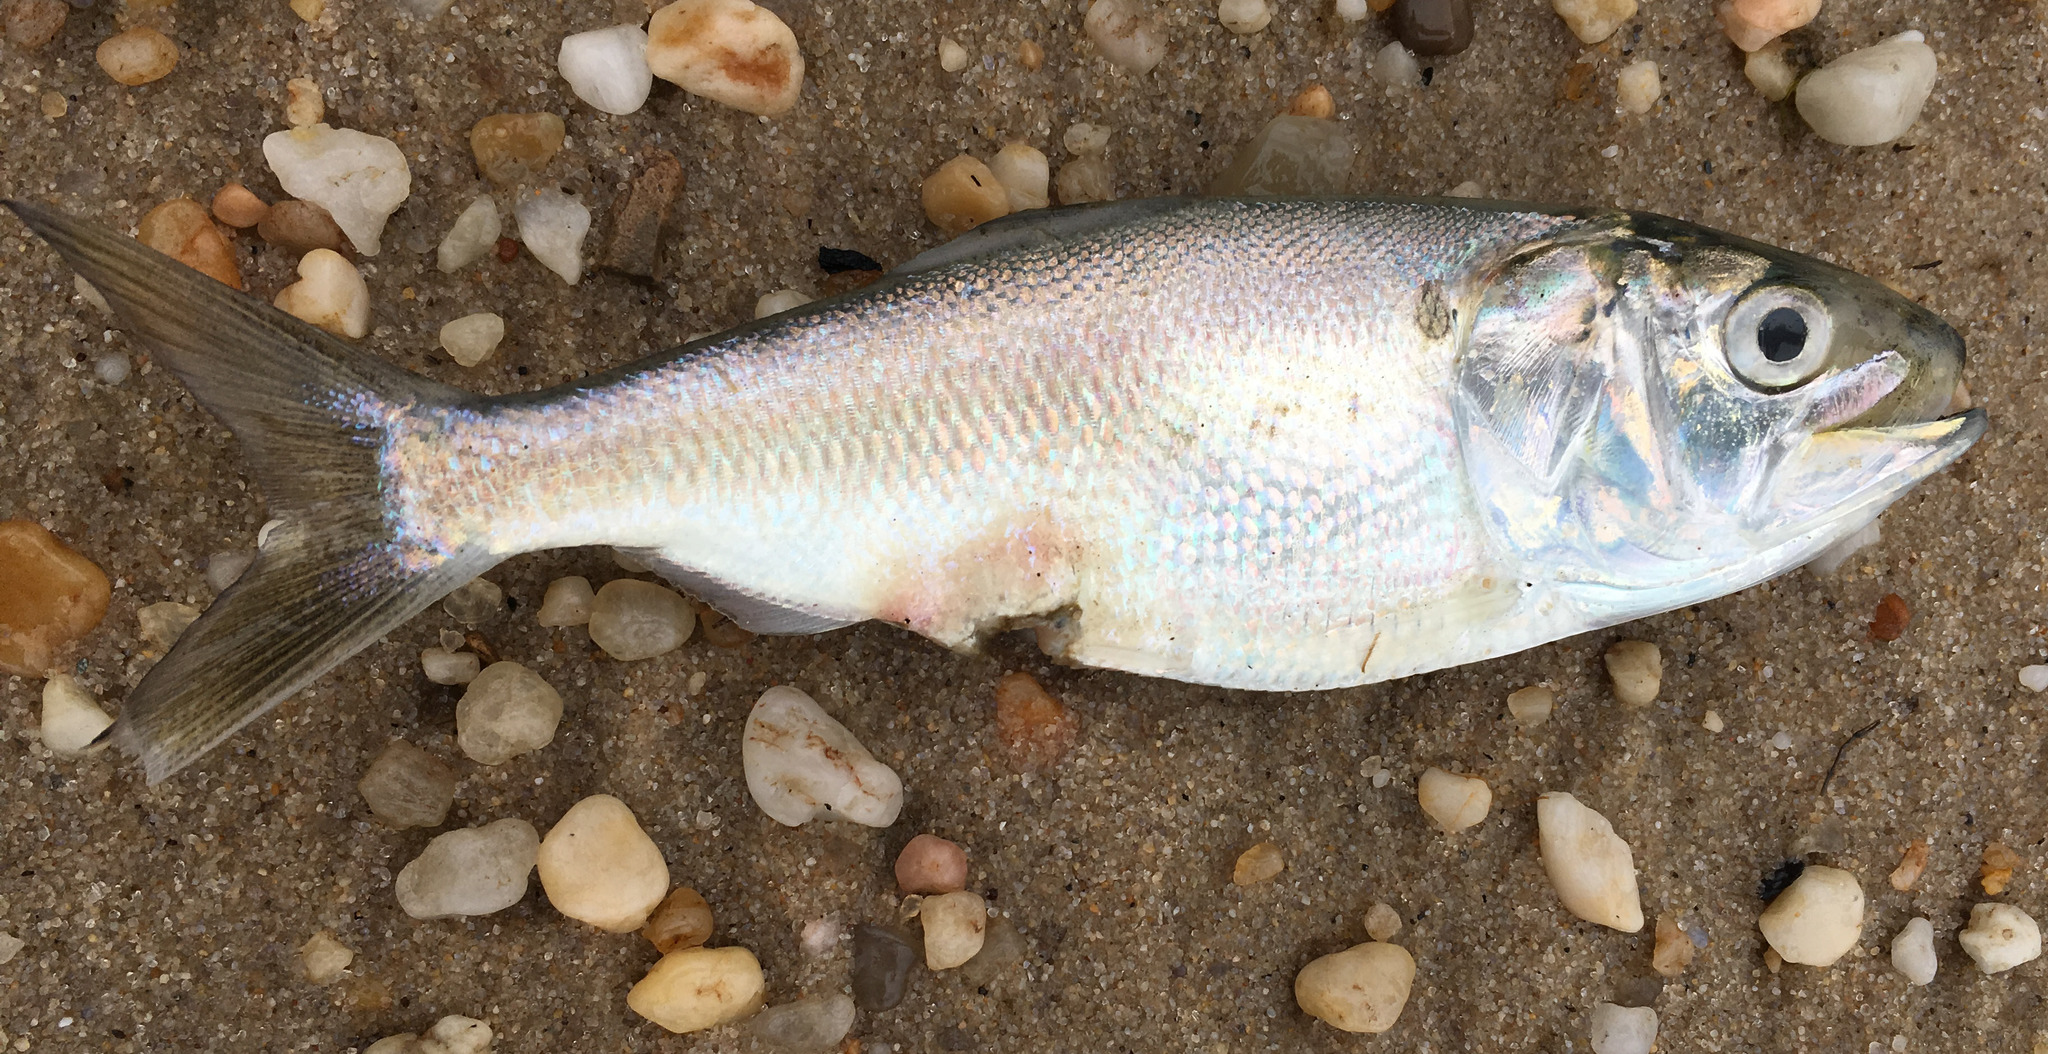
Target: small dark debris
pixel 1179 970
pixel 1194 118
pixel 508 250
pixel 1774 883
pixel 1707 167
pixel 1928 266
pixel 1853 737
pixel 834 261
pixel 1428 74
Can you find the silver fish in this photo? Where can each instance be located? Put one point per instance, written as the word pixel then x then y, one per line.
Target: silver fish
pixel 1270 444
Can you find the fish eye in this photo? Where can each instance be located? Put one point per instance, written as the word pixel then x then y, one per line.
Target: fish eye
pixel 1778 336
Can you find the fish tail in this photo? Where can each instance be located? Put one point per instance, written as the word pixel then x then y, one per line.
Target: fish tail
pixel 333 571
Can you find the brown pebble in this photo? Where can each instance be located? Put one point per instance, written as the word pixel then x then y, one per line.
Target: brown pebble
pixel 635 245
pixel 1257 864
pixel 1996 872
pixel 1036 730
pixel 181 229
pixel 1911 863
pixel 1030 55
pixel 1572 87
pixel 1674 949
pixel 930 864
pixel 1314 101
pixel 719 631
pixel 300 227
pixel 1890 619
pixel 49 596
pixel 1432 27
pixel 508 250
pixel 238 206
pixel 683 920
pixel 33 23
pixel 512 148
pixel 137 56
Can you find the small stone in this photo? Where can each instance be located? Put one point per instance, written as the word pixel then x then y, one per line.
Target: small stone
pixel 2000 937
pixel 882 958
pixel 49 597
pixel 1674 950
pixel 426 10
pixel 2034 678
pixel 71 719
pixel 681 920
pixel 1290 156
pixel 1890 619
pixel 1026 177
pixel 408 787
pixel 1868 98
pixel 1913 952
pixel 475 233
pixel 1382 922
pixel 360 179
pixel 110 366
pixel 1257 864
pixel 1711 721
pixel 1636 669
pixel 137 55
pixel 820 936
pixel 954 927
pixel 442 666
pixel 931 864
pixel 1593 21
pixel 1770 74
pixel 567 602
pixel 1432 27
pixel 470 872
pixel 34 23
pixel 301 227
pixel 225 569
pixel 475 602
pixel 964 193
pixel 1127 34
pixel 1030 55
pixel 1352 10
pixel 553 224
pixel 800 764
pixel 1638 86
pixel 1036 730
pixel 507 711
pixel 1085 179
pixel 952 57
pixel 607 68
pixel 632 620
pixel 598 866
pixel 513 148
pixel 1244 17
pixel 692 989
pixel 239 207
pixel 181 229
pixel 162 624
pixel 1082 139
pixel 1751 24
pixel 1912 862
pixel 729 51
pixel 1623 1029
pixel 635 245
pixel 1395 68
pixel 10 946
pixel 1589 865
pixel 1360 989
pixel 303 104
pixel 309 10
pixel 1817 919
pixel 53 104
pixel 777 302
pixel 1531 706
pixel 1313 101
pixel 1001 948
pixel 471 339
pixel 1453 802
pixel 453 1034
pixel 1996 872
pixel 322 958
pixel 806 1026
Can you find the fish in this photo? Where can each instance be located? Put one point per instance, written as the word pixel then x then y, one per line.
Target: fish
pixel 1264 443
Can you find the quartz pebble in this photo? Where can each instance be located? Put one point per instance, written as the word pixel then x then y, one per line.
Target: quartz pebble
pixel 1638 86
pixel 1351 10
pixel 10 946
pixel 964 193
pixel 239 207
pixel 635 243
pixel 1912 861
pixel 631 619
pixel 1869 97
pixel 607 68
pixel 1026 177
pixel 1453 802
pixel 1593 21
pixel 475 602
pixel 692 989
pixel 1623 1029
pixel 777 302
pixel 1817 919
pixel 1360 989
pixel 598 866
pixel 471 339
pixel 2000 937
pixel 137 55
pixel 800 764
pixel 1244 17
pixel 1773 77
pixel 1751 24
pixel 806 1026
pixel 49 597
pixel 1313 101
pixel 954 926
pixel 507 711
pixel 1085 179
pixel 360 179
pixel 1395 68
pixel 1531 706
pixel 1913 952
pixel 442 666
pixel 453 1034
pixel 474 233
pixel 322 958
pixel 1432 27
pixel 33 23
pixel 1711 721
pixel 1589 865
pixel 1290 156
pixel 567 602
pixel 426 10
pixel 1126 33
pixel 513 148
pixel 2034 678
pixel 1036 730
pixel 1636 670
pixel 303 105
pixel 1082 139
pixel 475 871
pixel 1382 922
pixel 71 719
pixel 930 864
pixel 729 51
pixel 552 224
pixel 1001 947
pixel 301 227
pixel 952 57
pixel 408 787
pixel 330 293
pixel 681 920
pixel 882 958
pixel 1258 864
pixel 162 624
pixel 182 230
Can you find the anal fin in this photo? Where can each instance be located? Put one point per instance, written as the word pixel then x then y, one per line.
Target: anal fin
pixel 755 614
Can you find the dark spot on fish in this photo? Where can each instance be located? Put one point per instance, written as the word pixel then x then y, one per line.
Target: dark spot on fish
pixel 834 261
pixel 1775 881
pixel 1432 314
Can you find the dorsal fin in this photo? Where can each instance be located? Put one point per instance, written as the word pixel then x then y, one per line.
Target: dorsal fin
pixel 1037 228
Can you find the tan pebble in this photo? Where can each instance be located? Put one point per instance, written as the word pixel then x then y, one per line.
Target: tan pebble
pixel 1382 922
pixel 1817 919
pixel 1453 802
pixel 1751 24
pixel 1912 862
pixel 567 602
pixel 137 56
pixel 930 864
pixel 162 624
pixel 1674 949
pixel 1036 729
pixel 1589 865
pixel 513 148
pixel 1380 7
pixel 71 720
pixel 1996 872
pixel 1024 174
pixel 1638 86
pixel 301 227
pixel 1593 21
pixel 1531 706
pixel 1244 17
pixel 729 51
pixel 682 920
pixel 330 293
pixel 309 10
pixel 598 866
pixel 181 229
pixel 322 958
pixel 952 57
pixel 1773 961
pixel 1769 73
pixel 1085 179
pixel 303 104
pixel 1258 864
pixel 33 23
pixel 955 925
pixel 692 989
pixel 238 206
pixel 1636 669
pixel 1314 101
pixel 49 596
pixel 53 104
pixel 1711 721
pixel 962 194
pixel 1360 989
pixel 1030 55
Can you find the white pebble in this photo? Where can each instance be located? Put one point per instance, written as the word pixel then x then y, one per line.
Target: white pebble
pixel 471 339
pixel 1589 865
pixel 1711 721
pixel 474 234
pixel 1636 669
pixel 632 620
pixel 507 711
pixel 1022 170
pixel 567 602
pixel 225 569
pixel 1769 73
pixel 303 104
pixel 408 787
pixel 1913 952
pixel 360 179
pixel 1395 68
pixel 952 57
pixel 1244 17
pixel 330 293
pixel 552 225
pixel 1593 21
pixel 1085 179
pixel 426 10
pixel 1353 10
pixel 607 68
pixel 1817 919
pixel 1869 97
pixel 1623 1029
pixel 162 624
pixel 1453 802
pixel 813 1023
pixel 1360 989
pixel 598 866
pixel 1126 33
pixel 71 720
pixel 470 872
pixel 1531 706
pixel 475 602
pixel 1781 741
pixel 800 764
pixel 10 946
pixel 1382 922
pixel 1834 556
pixel 1084 139
pixel 1638 86
pixel 777 302
pixel 443 666
pixel 955 924
pixel 322 958
pixel 110 366
pixel 453 1034
pixel 2034 678
pixel 1467 189
pixel 728 51
pixel 692 989
pixel 2000 937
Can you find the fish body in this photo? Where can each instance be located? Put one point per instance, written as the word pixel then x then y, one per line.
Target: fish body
pixel 1270 444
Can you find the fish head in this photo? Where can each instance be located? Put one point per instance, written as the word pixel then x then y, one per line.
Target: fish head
pixel 1652 413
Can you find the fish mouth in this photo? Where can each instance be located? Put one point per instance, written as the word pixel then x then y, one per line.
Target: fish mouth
pixel 1848 473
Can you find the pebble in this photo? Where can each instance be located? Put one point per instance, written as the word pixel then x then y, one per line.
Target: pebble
pixel 1030 55
pixel 10 946
pixel 692 989
pixel 777 302
pixel 1035 729
pixel 442 666
pixel 1872 96
pixel 507 711
pixel 239 207
pixel 330 293
pixel 635 245
pixel 598 866
pixel 1817 919
pixel 553 224
pixel 1432 27
pixel 1395 68
pixel 53 104
pixel 800 764
pixel 1126 33
pixel 1382 922
pixel 1995 874
pixel 1913 952
pixel 301 227
pixel 1638 86
pixel 567 602
pixel 1711 721
pixel 1674 949
pixel 1773 78
pixel 309 10
pixel 513 148
pixel 2000 937
pixel 1751 24
pixel 1085 179
pixel 1258 864
pixel 1912 861
pixel 33 23
pixel 1244 17
pixel 1082 139
pixel 955 925
pixel 1593 21
pixel 729 51
pixel 359 178
pixel 806 1026
pixel 1453 802
pixel 303 104
pixel 182 230
pixel 882 958
pixel 1890 618
pixel 408 787
pixel 471 339
pixel 1623 1029
pixel 475 871
pixel 475 602
pixel 952 57
pixel 1360 989
pixel 1531 706
pixel 1290 156
pixel 71 719
pixel 474 233
pixel 1313 101
pixel 1001 948
pixel 137 56
pixel 1636 669
pixel 49 596
pixel 162 624
pixel 681 920
pixel 931 864
pixel 1352 10
pixel 631 619
pixel 963 193
pixel 1026 177
pixel 453 1034
pixel 607 68
pixel 322 958
pixel 1589 865
pixel 2034 678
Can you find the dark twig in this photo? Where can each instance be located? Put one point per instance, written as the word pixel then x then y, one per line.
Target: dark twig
pixel 1853 737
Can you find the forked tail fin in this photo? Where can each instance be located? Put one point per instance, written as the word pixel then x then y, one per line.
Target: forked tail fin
pixel 312 413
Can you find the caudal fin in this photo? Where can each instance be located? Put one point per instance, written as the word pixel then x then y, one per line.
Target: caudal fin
pixel 312 414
